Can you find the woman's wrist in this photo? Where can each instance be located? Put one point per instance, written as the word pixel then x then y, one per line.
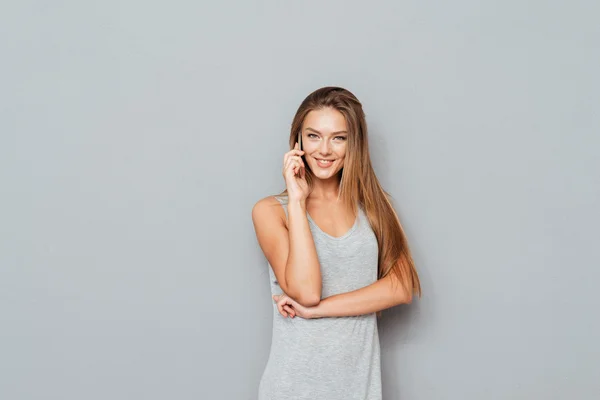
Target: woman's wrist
pixel 317 311
pixel 300 203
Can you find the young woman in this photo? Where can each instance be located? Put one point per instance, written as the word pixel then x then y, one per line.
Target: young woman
pixel 337 256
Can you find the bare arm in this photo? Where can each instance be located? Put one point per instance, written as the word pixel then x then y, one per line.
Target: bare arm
pixel 302 271
pixel 290 250
pixel 369 299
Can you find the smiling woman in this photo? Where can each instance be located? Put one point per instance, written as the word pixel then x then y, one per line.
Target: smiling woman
pixel 324 149
pixel 337 255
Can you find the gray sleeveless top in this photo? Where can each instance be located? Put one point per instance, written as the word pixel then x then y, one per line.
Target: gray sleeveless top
pixel 334 358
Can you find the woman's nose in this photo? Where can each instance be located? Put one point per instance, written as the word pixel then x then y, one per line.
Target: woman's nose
pixel 324 148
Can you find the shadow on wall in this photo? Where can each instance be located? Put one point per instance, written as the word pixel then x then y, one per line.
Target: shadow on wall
pixel 397 330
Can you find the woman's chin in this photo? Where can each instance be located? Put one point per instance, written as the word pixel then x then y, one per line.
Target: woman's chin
pixel 325 174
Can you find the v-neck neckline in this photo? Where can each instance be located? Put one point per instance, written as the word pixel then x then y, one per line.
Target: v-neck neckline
pixel 345 235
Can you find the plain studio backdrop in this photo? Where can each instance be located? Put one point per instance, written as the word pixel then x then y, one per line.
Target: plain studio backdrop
pixel 137 135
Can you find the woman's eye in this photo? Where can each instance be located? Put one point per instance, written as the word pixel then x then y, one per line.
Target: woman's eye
pixel 312 135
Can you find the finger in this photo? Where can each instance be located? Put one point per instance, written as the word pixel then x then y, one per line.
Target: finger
pixel 298 159
pixel 289 310
pixel 287 163
pixel 276 299
pixel 293 167
pixel 299 170
pixel 287 306
pixel 293 312
pixel 281 310
pixel 291 159
pixel 293 152
pixel 286 160
pixel 295 163
pixel 282 302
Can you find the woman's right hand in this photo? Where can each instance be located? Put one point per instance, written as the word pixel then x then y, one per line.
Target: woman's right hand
pixel 294 173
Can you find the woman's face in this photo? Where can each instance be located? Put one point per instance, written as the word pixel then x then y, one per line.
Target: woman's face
pixel 324 141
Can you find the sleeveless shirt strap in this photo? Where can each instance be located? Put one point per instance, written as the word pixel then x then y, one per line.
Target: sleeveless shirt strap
pixel 283 201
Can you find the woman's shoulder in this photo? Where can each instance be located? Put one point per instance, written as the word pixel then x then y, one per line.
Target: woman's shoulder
pixel 274 199
pixel 269 207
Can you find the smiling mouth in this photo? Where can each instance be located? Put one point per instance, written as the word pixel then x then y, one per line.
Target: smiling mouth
pixel 324 163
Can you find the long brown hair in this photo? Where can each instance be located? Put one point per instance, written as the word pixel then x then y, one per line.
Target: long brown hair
pixel 359 184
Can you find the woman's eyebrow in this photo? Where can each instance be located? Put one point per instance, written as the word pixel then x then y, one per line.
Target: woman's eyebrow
pixel 316 131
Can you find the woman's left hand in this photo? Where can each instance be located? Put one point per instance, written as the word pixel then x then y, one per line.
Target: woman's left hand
pixel 289 307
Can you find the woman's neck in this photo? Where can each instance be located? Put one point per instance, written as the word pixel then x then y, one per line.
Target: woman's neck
pixel 325 190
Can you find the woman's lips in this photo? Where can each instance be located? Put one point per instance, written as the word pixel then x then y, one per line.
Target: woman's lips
pixel 324 164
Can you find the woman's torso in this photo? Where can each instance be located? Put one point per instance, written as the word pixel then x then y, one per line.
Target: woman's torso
pixel 328 358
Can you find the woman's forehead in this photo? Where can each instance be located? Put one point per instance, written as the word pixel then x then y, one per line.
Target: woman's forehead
pixel 325 121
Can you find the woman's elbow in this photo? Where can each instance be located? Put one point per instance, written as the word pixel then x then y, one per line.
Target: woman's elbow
pixel 402 298
pixel 407 298
pixel 309 300
pixel 305 295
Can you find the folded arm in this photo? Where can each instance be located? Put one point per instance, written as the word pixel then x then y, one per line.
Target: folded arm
pixel 384 293
pixel 290 249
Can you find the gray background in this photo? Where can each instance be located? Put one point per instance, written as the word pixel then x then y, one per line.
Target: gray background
pixel 136 137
